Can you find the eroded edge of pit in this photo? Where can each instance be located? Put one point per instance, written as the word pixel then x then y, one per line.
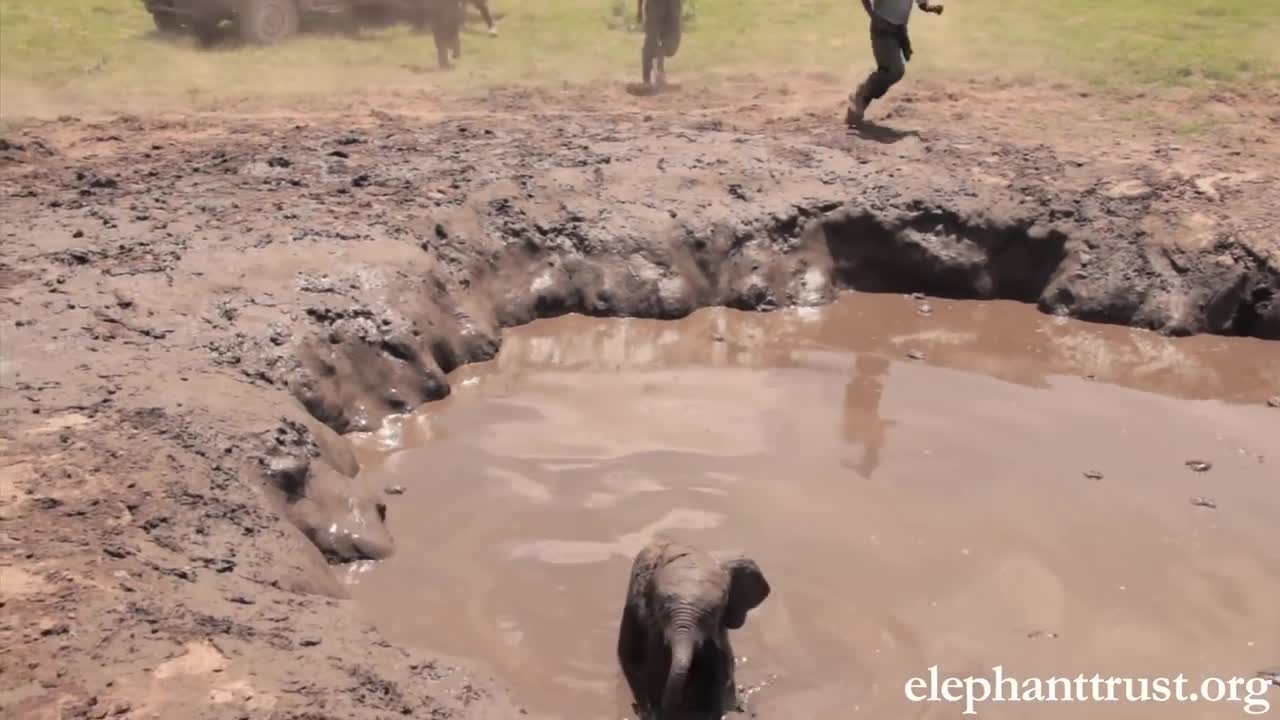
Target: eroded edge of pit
pixel 367 362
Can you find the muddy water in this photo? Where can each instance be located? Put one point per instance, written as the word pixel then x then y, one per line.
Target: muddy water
pixel 909 511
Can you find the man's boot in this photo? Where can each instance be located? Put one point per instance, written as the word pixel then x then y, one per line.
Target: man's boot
pixel 857 109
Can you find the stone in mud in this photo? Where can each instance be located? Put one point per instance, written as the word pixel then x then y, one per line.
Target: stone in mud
pixel 1200 465
pixel 916 355
pixel 1093 474
pixel 1274 402
pixel 1128 190
pixel 395 490
pixel 1205 502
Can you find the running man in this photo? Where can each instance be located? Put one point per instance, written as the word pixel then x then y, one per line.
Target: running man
pixel 892 49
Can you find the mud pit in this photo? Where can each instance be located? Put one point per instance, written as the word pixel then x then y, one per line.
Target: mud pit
pixel 197 308
pixel 909 512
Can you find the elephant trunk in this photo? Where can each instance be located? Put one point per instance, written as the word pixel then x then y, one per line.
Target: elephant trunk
pixel 681 638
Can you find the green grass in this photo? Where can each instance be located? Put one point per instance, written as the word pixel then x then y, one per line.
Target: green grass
pixel 105 50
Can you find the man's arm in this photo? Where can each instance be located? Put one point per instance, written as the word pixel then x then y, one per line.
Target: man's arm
pixel 639 12
pixel 929 7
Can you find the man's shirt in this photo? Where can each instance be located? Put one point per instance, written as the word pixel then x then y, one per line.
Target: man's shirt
pixel 894 11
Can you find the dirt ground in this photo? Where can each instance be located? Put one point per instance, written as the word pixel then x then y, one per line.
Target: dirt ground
pixel 196 305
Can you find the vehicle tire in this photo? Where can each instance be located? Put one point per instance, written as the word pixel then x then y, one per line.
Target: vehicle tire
pixel 167 23
pixel 264 22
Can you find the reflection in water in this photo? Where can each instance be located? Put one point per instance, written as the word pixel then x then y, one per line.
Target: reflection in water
pixel 863 423
pixel 531 487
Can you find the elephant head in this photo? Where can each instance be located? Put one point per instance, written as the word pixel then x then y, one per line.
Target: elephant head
pixel 674 642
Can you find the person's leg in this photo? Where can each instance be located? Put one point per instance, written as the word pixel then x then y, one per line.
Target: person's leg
pixel 672 27
pixel 886 46
pixel 483 7
pixel 670 35
pixel 652 50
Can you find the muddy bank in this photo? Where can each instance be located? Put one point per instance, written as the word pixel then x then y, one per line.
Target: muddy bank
pixel 194 309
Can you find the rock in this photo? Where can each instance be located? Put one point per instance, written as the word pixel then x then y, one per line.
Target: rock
pixel 49 628
pixel 1205 502
pixel 309 642
pixel 1200 465
pixel 1272 674
pixel 1274 402
pixel 916 355
pixel 395 490
pixel 1206 186
pixel 1093 474
pixel 924 309
pixel 1128 190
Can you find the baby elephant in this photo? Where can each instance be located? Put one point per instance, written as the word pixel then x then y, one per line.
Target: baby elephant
pixel 674 642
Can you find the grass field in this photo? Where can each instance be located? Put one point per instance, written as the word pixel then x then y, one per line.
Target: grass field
pixel 106 50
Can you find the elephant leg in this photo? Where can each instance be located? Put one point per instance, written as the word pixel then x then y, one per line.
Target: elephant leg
pixel 649 54
pixel 728 683
pixel 443 45
pixel 657 663
pixel 631 652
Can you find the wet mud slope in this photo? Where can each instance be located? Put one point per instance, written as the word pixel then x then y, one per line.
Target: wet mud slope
pixel 194 311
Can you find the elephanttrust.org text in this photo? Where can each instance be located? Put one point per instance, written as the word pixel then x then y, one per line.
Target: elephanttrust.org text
pixel 972 691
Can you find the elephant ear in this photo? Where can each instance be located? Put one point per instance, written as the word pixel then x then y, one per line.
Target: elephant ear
pixel 747 589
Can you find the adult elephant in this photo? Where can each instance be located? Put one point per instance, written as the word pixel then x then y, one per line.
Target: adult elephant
pixel 673 644
pixel 444 18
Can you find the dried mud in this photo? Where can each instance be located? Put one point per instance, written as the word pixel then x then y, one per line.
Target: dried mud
pixel 194 310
